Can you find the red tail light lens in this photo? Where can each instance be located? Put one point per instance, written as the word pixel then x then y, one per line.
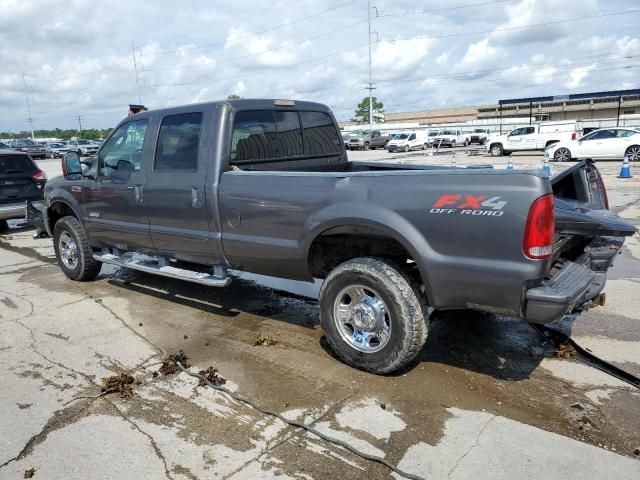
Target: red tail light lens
pixel 539 231
pixel 574 136
pixel 39 176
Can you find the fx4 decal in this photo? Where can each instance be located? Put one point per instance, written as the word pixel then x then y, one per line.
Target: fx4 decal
pixel 461 204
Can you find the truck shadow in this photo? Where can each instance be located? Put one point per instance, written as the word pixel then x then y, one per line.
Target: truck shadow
pixel 502 347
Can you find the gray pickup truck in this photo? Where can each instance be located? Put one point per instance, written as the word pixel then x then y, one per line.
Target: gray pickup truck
pixel 265 186
pixel 365 139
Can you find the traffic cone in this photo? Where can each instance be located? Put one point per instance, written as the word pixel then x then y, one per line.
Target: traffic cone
pixel 510 164
pixel 546 168
pixel 625 171
pixel 453 161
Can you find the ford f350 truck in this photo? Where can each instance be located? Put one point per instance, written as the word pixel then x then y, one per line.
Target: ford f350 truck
pixel 265 186
pixel 533 137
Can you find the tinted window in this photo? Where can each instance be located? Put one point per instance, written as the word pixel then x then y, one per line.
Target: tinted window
pixel 123 150
pixel 289 139
pixel 412 137
pixel 178 142
pixel 625 133
pixel 15 164
pixel 320 134
pixel 254 135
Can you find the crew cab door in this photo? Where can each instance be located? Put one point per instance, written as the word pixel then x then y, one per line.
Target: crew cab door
pixel 522 139
pixel 176 187
pixel 114 202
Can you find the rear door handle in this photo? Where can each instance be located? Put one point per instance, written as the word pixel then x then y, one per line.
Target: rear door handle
pixel 139 192
pixel 197 197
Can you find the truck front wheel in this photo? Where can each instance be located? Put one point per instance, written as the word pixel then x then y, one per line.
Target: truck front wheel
pixel 497 150
pixel 374 317
pixel 73 251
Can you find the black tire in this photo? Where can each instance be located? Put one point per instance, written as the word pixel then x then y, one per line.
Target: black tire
pixel 366 146
pixel 406 148
pixel 405 304
pixel 483 141
pixel 86 268
pixel 633 152
pixel 4 226
pixel 562 155
pixel 496 150
pixel 425 146
pixel 79 152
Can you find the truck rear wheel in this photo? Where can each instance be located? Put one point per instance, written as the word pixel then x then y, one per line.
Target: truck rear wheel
pixel 4 226
pixel 374 317
pixel 73 252
pixel 366 146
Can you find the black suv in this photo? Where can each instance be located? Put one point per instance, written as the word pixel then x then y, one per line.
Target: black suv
pixel 20 180
pixel 29 146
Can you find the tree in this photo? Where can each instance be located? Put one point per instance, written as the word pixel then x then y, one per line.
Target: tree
pixel 233 97
pixel 362 111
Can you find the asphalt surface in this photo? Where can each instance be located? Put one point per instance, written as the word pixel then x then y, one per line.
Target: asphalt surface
pixel 487 397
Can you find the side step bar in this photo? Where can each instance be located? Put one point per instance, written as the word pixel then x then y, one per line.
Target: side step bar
pixel 157 266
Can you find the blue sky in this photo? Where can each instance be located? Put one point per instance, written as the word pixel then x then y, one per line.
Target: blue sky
pixel 78 58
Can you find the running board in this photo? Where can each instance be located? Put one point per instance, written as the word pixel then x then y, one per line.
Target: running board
pixel 155 266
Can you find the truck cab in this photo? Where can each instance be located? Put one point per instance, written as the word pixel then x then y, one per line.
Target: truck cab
pixel 533 137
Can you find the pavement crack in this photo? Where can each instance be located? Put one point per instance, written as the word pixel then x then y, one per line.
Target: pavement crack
pixel 475 444
pixel 152 441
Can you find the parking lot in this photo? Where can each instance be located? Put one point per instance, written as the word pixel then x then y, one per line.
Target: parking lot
pixel 487 393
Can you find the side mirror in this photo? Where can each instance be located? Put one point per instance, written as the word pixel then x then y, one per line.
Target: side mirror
pixel 71 165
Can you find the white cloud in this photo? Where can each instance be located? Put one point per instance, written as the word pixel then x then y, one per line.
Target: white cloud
pixel 481 53
pixel 578 75
pixel 443 58
pixel 400 56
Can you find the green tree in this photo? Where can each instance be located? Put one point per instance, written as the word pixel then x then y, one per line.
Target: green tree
pixel 362 110
pixel 233 97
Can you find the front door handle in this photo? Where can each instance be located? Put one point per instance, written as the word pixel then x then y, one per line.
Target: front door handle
pixel 197 197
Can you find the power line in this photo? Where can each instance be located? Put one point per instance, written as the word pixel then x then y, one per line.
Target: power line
pixel 135 67
pixel 522 27
pixel 271 29
pixel 437 10
pixel 26 97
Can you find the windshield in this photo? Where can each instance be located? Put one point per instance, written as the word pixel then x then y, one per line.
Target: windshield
pixel 401 136
pixel 84 142
pixel 449 132
pixel 479 130
pixel 433 134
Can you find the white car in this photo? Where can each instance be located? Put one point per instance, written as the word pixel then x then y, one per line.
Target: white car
pixel 610 143
pixel 403 142
pixel 82 147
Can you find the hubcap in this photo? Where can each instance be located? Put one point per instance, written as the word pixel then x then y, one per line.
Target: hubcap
pixel 634 154
pixel 495 151
pixel 562 155
pixel 68 250
pixel 362 319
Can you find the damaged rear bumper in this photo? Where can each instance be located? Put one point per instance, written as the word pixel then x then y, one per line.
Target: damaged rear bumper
pixel 575 284
pixel 35 215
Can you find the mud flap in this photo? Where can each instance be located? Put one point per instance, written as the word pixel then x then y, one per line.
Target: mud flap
pixel 35 217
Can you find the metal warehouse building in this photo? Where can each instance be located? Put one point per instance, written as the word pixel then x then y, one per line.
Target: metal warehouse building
pixel 616 105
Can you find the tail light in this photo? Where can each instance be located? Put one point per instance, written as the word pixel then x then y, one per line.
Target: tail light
pixel 605 196
pixel 39 176
pixel 539 231
pixel 574 136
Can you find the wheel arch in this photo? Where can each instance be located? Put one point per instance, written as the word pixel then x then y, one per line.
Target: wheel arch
pixel 393 232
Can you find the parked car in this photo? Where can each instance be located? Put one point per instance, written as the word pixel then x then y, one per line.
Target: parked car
pixel 5 146
pixel 365 139
pixel 56 149
pixel 533 137
pixel 20 180
pixel 605 143
pixel 451 137
pixel 479 135
pixel 226 188
pixel 403 142
pixel 29 146
pixel 82 147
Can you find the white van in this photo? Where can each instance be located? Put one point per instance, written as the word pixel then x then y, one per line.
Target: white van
pixel 405 141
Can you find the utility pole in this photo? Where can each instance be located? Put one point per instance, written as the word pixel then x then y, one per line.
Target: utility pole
pixel 370 86
pixel 135 66
pixel 26 96
pixel 80 125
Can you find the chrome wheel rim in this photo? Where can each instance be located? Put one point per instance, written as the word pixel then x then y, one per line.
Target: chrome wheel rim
pixel 633 153
pixel 562 155
pixel 68 251
pixel 362 318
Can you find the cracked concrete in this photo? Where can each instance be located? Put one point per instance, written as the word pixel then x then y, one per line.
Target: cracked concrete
pixel 482 399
